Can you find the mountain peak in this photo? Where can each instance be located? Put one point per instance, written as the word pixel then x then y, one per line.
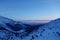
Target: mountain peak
pixel 3 17
pixel 58 19
pixel 6 20
pixel 55 21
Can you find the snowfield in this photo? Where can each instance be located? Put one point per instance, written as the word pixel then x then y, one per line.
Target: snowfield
pixel 16 30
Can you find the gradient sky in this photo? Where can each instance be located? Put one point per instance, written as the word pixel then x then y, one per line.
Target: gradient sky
pixel 30 9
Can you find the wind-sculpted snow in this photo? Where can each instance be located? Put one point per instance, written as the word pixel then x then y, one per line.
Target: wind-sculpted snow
pixel 15 30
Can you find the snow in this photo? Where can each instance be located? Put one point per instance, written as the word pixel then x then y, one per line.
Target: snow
pixel 29 31
pixel 51 32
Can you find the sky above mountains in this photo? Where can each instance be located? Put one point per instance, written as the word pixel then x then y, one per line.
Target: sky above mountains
pixel 30 9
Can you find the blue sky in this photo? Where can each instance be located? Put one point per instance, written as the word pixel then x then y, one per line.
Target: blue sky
pixel 30 9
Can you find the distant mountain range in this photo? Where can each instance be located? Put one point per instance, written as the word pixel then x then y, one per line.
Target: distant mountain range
pixel 36 21
pixel 20 30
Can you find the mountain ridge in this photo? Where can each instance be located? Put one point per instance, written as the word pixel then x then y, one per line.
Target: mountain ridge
pixel 18 30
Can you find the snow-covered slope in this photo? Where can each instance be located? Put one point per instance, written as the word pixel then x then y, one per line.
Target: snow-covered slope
pixel 50 31
pixel 4 21
pixel 11 24
pixel 15 30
